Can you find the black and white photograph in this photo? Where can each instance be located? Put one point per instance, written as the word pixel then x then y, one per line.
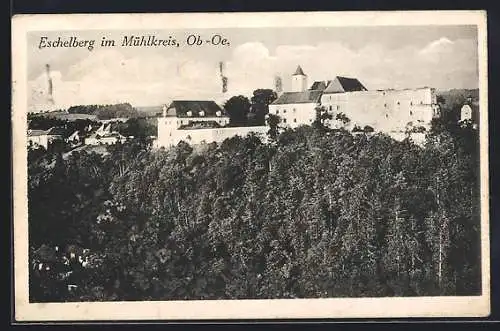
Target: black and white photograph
pixel 266 165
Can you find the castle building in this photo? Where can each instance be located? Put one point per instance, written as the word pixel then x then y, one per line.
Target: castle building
pixel 197 122
pixel 383 110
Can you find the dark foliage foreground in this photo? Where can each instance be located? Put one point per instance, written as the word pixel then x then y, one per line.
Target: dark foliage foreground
pixel 315 214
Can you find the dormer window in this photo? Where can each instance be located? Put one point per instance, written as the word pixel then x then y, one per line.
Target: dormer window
pixel 218 113
pixel 189 113
pixel 202 113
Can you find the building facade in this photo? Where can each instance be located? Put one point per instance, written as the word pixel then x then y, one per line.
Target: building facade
pixel 198 122
pixel 383 110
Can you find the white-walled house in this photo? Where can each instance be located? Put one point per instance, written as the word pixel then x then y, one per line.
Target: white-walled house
pixel 44 138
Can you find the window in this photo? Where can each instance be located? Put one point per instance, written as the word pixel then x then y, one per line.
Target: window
pixel 284 111
pixel 294 110
pixel 421 102
pixel 385 105
pixel 411 103
pixel 277 111
pixel 411 113
pixel 294 120
pixel 386 116
pixel 338 107
pixel 284 120
pixel 399 103
pixel 330 108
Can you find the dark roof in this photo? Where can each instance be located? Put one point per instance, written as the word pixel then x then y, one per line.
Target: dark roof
pixel 299 71
pixel 310 96
pixel 344 84
pixel 180 108
pixel 318 85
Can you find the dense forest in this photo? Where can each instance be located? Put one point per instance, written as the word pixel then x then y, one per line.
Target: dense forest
pixel 314 213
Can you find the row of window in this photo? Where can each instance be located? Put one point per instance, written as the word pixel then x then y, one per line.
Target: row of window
pixel 187 121
pixel 284 111
pixel 284 120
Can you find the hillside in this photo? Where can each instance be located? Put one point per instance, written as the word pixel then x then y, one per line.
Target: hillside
pixel 311 215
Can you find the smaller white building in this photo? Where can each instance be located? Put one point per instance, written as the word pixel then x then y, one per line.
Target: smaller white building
pixel 44 138
pixel 298 106
pixel 469 113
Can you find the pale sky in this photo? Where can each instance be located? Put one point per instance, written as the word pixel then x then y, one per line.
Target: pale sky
pixel 443 57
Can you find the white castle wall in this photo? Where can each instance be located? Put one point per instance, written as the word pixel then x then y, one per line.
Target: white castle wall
pixel 386 110
pixel 170 136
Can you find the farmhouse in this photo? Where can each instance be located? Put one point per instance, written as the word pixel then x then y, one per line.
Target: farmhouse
pixel 44 138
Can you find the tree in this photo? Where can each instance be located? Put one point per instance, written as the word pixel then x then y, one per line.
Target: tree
pixel 261 100
pixel 237 108
pixel 273 122
pixel 322 118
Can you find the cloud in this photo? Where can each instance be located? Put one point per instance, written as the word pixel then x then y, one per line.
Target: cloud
pixel 109 76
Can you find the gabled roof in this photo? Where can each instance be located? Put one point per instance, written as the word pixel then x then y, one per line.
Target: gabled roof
pixel 344 84
pixel 318 85
pixel 180 108
pixel 299 71
pixel 50 132
pixel 309 96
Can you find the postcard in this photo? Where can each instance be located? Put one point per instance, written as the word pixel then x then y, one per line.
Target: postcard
pixel 293 165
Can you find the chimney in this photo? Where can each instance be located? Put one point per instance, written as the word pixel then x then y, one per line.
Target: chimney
pixel 49 85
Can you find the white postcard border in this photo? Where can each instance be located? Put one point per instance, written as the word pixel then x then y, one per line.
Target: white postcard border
pixel 467 306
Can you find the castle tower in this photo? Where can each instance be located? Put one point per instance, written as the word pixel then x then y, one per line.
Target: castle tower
pixel 299 80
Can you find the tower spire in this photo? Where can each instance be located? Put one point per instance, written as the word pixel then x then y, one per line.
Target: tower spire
pixel 299 72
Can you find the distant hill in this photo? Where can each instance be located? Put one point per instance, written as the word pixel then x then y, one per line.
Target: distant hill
pixel 104 112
